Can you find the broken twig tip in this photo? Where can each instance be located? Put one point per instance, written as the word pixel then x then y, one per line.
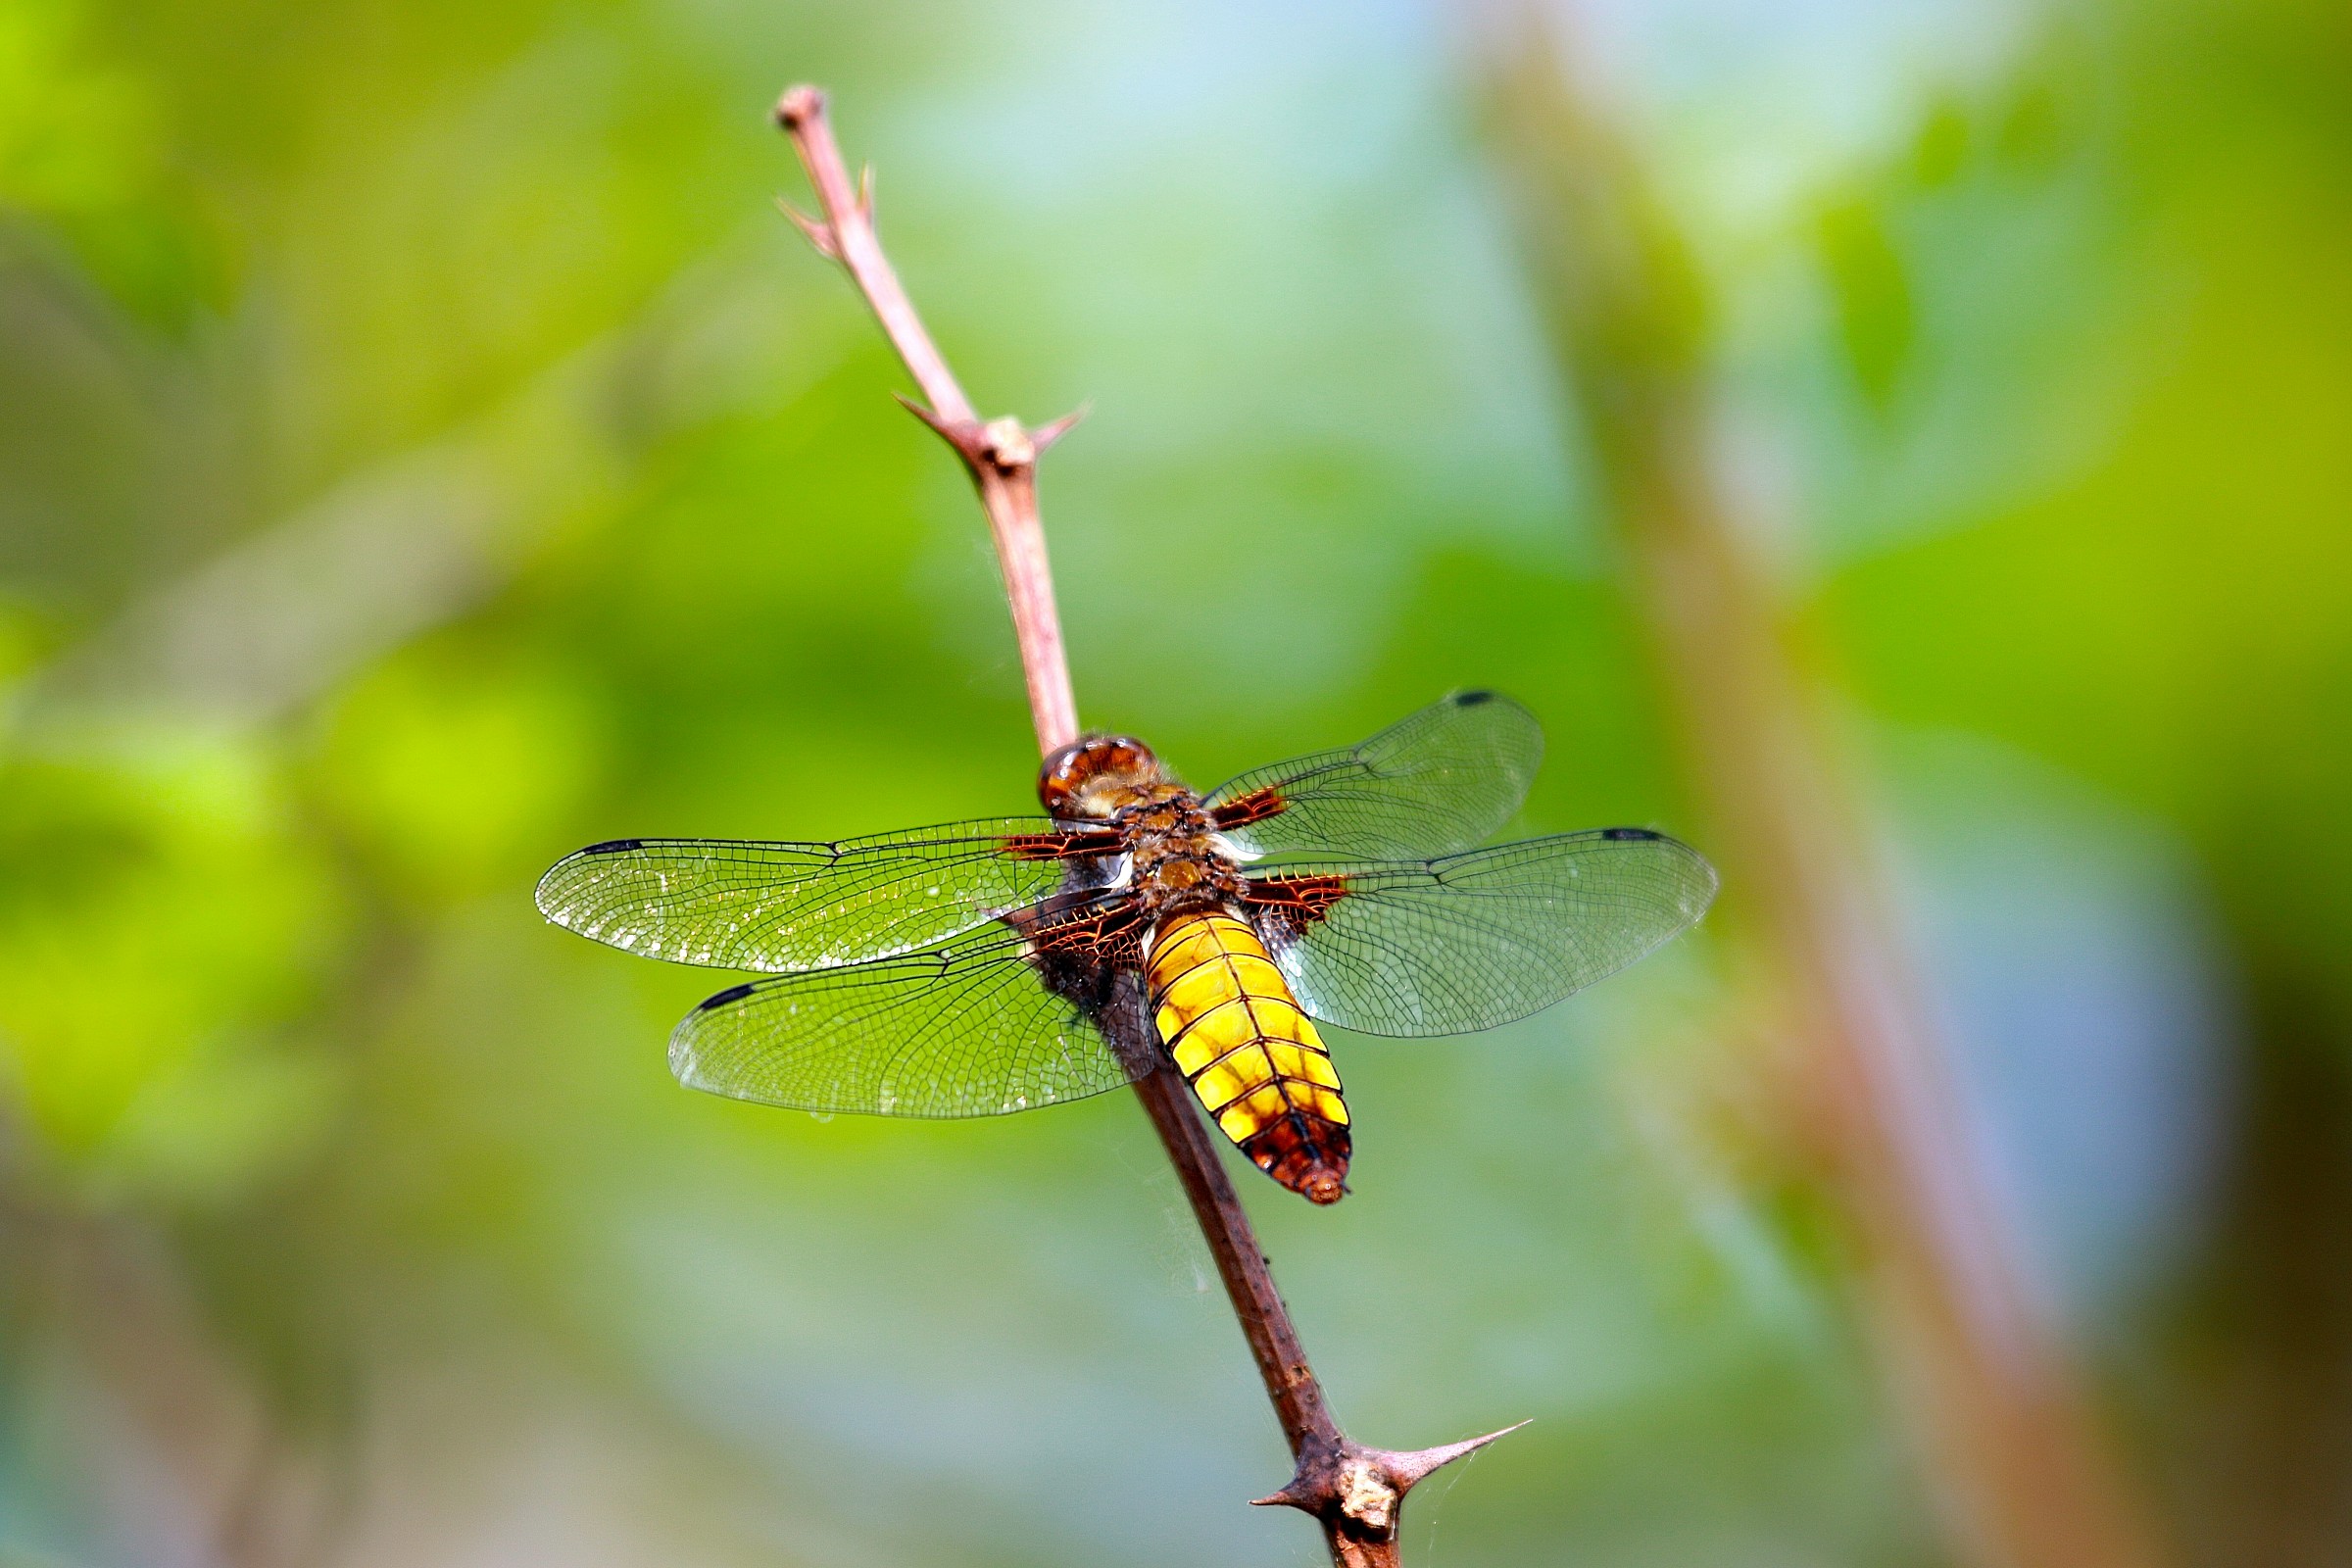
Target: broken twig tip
pixel 799 105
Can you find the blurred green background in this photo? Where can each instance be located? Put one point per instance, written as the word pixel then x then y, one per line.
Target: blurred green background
pixel 423 451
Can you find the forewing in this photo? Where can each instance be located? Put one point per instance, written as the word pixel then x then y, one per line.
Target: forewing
pixel 1470 941
pixel 969 1029
pixel 1442 780
pixel 778 907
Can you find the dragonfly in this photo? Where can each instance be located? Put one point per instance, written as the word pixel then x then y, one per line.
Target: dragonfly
pixel 997 965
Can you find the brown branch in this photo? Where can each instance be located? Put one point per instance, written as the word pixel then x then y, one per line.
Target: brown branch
pixel 1355 1492
pixel 2012 1453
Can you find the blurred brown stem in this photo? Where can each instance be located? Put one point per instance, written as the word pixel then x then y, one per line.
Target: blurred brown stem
pixel 1355 1492
pixel 2012 1456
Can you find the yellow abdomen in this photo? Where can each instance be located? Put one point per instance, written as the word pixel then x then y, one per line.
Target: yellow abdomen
pixel 1250 1052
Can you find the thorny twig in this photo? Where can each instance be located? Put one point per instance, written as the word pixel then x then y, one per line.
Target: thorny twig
pixel 1355 1492
pixel 1001 454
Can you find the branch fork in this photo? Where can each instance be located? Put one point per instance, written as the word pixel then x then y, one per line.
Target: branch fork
pixel 1004 446
pixel 1356 1494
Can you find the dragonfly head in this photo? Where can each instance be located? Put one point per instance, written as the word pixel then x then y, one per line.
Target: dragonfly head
pixel 1094 776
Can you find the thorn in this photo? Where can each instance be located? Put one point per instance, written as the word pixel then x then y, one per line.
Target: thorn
pixel 865 193
pixel 1409 1469
pixel 1045 435
pixel 925 415
pixel 816 232
pixel 799 105
pixel 964 436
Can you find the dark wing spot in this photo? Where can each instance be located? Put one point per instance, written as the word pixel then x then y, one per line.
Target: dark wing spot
pixel 1472 699
pixel 1254 806
pixel 731 994
pixel 1286 906
pixel 1075 844
pixel 1627 833
pixel 613 847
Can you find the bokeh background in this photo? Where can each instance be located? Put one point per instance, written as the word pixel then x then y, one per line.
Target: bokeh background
pixel 423 449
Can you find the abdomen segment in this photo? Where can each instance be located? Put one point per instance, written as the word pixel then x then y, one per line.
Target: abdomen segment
pixel 1250 1052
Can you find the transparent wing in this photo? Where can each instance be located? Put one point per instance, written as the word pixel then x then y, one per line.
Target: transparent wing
pixel 1471 941
pixel 976 1027
pixel 1442 780
pixel 780 908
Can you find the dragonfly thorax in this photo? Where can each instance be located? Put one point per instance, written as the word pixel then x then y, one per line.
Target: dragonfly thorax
pixel 1176 860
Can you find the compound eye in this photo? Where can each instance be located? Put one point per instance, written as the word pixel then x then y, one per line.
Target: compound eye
pixel 1074 780
pixel 1056 780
